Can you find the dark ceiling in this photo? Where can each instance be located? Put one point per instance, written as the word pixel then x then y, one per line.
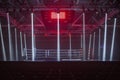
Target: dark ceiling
pixel 94 10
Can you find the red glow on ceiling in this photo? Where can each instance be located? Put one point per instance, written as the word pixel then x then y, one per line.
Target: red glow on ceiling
pixel 54 15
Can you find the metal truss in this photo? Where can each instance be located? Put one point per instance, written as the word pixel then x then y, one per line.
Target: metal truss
pixel 15 7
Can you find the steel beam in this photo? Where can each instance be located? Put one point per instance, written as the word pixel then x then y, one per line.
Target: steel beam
pixel 99 42
pixel 58 37
pixel 75 22
pixel 25 46
pixel 89 49
pixel 10 40
pixel 93 49
pixel 21 42
pixel 113 40
pixel 109 15
pixel 105 37
pixel 81 41
pixel 70 47
pixel 3 45
pixel 41 22
pixel 33 45
pixel 84 42
pixel 16 46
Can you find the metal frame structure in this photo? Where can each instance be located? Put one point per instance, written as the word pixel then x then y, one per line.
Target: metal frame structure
pixel 82 24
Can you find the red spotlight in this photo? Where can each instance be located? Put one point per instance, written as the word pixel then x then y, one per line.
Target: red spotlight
pixel 54 15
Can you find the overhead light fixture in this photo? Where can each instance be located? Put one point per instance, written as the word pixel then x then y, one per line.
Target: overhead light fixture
pixel 54 15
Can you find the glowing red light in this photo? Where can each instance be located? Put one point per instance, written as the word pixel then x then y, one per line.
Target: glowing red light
pixel 54 15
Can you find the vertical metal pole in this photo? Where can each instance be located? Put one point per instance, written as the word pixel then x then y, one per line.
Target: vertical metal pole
pixel 46 54
pixel 33 51
pixel 58 37
pixel 9 36
pixel 105 36
pixel 16 46
pixel 70 55
pixel 21 44
pixel 99 40
pixel 3 46
pixel 25 46
pixel 93 50
pixel 113 39
pixel 81 45
pixel 81 41
pixel 84 42
pixel 89 50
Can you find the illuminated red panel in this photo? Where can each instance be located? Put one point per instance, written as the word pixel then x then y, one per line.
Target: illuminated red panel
pixel 54 15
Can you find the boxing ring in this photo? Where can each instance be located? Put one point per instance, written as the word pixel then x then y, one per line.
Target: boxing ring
pixel 58 54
